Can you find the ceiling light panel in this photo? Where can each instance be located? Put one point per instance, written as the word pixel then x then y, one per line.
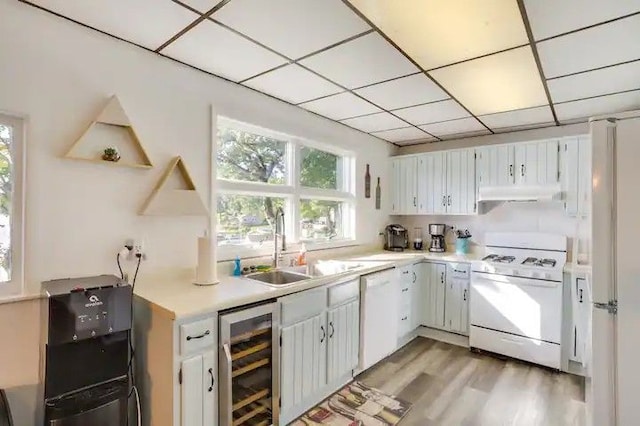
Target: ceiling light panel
pixel 595 47
pixel 294 28
pixel 549 18
pixel 375 122
pixel 433 112
pixel 215 49
pixel 598 106
pixel 501 82
pixel 403 92
pixel 148 23
pixel 366 60
pixel 405 134
pixel 595 83
pixel 437 32
pixel 293 83
pixel 341 106
pixel 201 6
pixel 522 117
pixel 465 125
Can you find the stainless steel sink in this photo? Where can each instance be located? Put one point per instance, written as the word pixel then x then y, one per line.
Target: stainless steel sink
pixel 278 277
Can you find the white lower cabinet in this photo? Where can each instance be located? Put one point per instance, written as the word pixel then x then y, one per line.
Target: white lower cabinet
pixel 433 294
pixel 579 312
pixel 197 396
pixel 457 309
pixel 444 296
pixel 319 347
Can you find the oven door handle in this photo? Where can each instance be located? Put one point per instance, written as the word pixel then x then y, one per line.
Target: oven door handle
pixel 480 278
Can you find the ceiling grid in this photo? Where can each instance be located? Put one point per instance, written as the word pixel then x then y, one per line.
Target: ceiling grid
pixel 426 71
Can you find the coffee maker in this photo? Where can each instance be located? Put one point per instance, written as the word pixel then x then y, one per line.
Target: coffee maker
pixel 396 238
pixel 437 230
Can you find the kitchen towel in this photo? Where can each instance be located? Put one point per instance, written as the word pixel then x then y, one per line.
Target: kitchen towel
pixel 206 271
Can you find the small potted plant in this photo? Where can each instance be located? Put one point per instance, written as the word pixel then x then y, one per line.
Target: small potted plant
pixel 111 154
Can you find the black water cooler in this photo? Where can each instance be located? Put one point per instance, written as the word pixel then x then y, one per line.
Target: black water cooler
pixel 86 378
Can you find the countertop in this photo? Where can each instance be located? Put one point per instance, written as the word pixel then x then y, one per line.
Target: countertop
pixel 173 293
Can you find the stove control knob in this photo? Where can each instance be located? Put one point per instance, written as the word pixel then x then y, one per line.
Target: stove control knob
pixel 93 333
pixel 75 337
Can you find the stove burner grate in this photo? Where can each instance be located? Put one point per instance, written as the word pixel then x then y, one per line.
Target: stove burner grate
pixel 534 261
pixel 499 259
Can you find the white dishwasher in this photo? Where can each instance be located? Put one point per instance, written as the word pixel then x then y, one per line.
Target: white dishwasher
pixel 378 316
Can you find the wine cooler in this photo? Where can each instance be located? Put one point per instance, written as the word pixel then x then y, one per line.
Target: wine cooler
pixel 249 366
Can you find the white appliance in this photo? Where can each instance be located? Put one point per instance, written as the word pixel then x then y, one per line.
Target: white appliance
pixel 551 192
pixel 516 296
pixel 378 317
pixel 613 381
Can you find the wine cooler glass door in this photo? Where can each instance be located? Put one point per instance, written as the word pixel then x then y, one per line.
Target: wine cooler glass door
pixel 249 391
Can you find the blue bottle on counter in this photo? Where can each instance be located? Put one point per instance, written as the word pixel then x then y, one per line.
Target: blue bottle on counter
pixel 237 270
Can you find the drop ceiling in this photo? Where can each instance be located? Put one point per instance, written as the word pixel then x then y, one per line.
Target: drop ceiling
pixel 416 71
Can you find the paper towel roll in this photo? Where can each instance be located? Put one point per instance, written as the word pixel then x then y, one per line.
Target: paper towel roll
pixel 206 271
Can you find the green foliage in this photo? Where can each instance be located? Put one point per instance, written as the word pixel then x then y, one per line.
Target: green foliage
pixel 6 188
pixel 319 169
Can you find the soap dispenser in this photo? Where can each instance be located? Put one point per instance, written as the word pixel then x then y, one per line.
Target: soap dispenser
pixel 237 269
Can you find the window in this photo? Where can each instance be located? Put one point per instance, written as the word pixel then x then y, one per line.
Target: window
pixel 259 171
pixel 11 206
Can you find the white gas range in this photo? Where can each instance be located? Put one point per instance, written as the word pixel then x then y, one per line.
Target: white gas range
pixel 515 306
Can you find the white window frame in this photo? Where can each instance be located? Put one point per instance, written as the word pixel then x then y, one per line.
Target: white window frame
pixel 292 191
pixel 18 154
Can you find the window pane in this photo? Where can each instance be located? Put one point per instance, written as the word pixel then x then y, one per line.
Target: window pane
pixel 321 220
pixel 6 195
pixel 250 157
pixel 319 169
pixel 246 220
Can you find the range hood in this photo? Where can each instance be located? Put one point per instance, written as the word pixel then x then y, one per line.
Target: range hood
pixel 522 193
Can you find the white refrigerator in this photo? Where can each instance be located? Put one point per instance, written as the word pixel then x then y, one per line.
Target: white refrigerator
pixel 613 370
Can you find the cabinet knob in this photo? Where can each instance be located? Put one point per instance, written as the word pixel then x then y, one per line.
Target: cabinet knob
pixel 522 170
pixel 444 200
pixel 510 169
pixel 449 200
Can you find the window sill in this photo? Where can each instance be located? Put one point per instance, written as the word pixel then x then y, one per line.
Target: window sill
pixel 19 297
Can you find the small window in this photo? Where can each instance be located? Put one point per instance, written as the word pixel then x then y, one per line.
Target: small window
pixel 322 220
pixel 245 220
pixel 320 169
pixel 249 157
pixel 6 200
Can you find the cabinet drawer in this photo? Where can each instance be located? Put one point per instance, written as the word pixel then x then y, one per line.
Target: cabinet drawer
pixel 300 306
pixel 458 270
pixel 344 292
pixel 196 336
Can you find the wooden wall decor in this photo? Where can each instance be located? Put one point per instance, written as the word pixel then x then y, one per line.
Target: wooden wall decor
pixel 166 201
pixel 113 114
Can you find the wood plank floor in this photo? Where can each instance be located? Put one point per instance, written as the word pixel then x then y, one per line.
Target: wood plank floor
pixel 449 385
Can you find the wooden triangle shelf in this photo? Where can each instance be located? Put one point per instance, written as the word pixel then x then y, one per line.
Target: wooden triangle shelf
pixel 165 201
pixel 113 114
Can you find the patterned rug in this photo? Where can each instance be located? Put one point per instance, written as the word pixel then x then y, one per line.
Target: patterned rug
pixel 356 405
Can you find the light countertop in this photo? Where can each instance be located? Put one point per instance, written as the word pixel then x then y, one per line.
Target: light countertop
pixel 173 293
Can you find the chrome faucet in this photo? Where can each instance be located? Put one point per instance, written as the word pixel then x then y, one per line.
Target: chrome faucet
pixel 278 231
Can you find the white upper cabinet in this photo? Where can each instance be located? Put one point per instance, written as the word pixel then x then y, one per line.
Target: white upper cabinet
pixel 576 174
pixel 404 188
pixel 536 163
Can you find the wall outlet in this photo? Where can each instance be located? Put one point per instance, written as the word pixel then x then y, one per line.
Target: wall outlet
pixel 138 250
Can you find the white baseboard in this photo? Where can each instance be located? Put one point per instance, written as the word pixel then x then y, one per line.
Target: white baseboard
pixel 444 336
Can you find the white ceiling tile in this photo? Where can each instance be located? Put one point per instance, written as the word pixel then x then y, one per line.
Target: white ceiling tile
pixel 366 60
pixel 375 122
pixel 598 106
pixel 341 106
pixel 292 27
pixel 518 118
pixel 215 49
pixel 405 134
pixel 594 83
pixel 437 33
pixel 465 125
pixel 591 48
pixel 293 83
pixel 403 92
pixel 433 112
pixel 552 17
pixel 501 82
pixel 148 23
pixel 201 5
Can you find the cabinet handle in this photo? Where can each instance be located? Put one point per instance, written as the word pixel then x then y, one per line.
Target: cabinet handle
pixel 580 300
pixel 510 169
pixel 212 381
pixel 332 329
pixel 464 294
pixel 444 200
pixel 442 278
pixel 199 336
pixel 405 272
pixel 324 334
pixel 404 290
pixel 449 200
pixel 460 272
pixel 415 201
pixel 414 277
pixel 522 170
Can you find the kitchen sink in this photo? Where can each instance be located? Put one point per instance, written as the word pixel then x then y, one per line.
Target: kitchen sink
pixel 278 277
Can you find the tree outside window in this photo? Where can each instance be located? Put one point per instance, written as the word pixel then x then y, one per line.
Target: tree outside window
pixel 6 191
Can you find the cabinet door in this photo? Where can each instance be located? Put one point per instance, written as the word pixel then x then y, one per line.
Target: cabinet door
pixel 453 305
pixel 425 184
pixel 468 187
pixel 343 340
pixel 197 391
pixel 464 308
pixel 434 295
pixel 453 182
pixel 416 295
pixel 505 173
pixel 303 360
pixel 409 197
pixel 439 183
pixel 396 186
pixel 547 166
pixel 579 321
pixel 487 166
pixel 570 165
pixel 584 175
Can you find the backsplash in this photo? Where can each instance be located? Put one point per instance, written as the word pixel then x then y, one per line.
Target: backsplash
pixel 506 217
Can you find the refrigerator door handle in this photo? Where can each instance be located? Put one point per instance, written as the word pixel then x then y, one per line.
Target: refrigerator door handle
pixel 611 306
pixel 225 380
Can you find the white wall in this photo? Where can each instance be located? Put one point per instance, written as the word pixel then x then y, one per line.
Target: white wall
pixel 59 74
